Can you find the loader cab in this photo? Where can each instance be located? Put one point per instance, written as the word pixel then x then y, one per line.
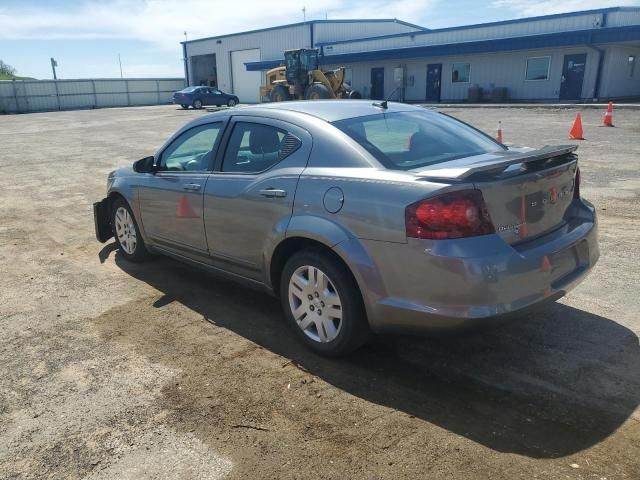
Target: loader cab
pixel 299 63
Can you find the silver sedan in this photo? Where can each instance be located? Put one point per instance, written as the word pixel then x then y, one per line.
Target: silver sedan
pixel 361 216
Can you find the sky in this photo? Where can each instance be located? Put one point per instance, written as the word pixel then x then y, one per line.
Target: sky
pixel 86 37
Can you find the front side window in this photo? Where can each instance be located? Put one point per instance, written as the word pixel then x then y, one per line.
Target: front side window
pixel 538 68
pixel 191 151
pixel 460 72
pixel 407 140
pixel 253 147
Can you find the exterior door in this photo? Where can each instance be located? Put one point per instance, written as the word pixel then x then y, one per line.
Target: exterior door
pixel 171 198
pixel 434 77
pixel 246 84
pixel 572 76
pixel 248 200
pixel 377 83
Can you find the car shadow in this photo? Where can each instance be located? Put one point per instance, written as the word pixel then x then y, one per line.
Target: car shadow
pixel 546 385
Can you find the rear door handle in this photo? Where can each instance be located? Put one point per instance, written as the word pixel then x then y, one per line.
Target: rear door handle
pixel 192 187
pixel 273 193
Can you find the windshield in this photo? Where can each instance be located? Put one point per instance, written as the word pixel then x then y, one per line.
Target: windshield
pixel 406 140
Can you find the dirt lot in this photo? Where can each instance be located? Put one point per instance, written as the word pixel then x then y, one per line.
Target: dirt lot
pixel 110 370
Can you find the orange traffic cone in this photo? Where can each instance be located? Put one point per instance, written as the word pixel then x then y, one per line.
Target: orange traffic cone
pixel 576 130
pixel 608 116
pixel 499 133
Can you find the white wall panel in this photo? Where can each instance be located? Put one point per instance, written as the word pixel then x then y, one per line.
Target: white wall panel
pixel 42 95
pixel 487 71
pixel 619 80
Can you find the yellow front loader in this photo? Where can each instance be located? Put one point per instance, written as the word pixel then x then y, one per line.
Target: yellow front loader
pixel 300 79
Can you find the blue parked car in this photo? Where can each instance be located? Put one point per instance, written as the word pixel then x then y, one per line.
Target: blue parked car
pixel 197 97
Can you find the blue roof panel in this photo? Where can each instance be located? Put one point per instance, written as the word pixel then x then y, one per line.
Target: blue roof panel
pixel 530 42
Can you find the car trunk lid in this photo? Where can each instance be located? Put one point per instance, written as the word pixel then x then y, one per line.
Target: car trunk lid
pixel 527 192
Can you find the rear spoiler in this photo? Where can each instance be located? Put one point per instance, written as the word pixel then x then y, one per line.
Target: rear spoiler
pixel 497 163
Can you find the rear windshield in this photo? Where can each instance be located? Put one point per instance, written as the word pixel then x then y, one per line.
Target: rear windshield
pixel 189 89
pixel 406 140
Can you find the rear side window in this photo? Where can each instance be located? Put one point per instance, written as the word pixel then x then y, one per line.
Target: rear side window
pixel 255 147
pixel 406 140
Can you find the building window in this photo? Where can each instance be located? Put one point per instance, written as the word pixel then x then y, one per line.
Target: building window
pixel 460 72
pixel 537 68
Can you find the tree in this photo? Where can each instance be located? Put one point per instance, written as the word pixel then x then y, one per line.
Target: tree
pixel 6 69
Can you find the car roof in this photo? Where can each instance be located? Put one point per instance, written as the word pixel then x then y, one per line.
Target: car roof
pixel 329 110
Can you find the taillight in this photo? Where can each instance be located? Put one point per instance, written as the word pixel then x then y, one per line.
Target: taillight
pixel 576 185
pixel 450 215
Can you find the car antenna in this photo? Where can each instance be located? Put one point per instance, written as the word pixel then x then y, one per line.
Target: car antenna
pixel 384 103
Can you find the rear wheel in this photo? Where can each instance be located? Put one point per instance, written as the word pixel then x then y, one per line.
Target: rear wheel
pixel 197 104
pixel 317 91
pixel 126 232
pixel 279 94
pixel 354 95
pixel 322 303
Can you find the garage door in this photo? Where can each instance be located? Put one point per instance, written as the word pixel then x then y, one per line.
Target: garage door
pixel 246 85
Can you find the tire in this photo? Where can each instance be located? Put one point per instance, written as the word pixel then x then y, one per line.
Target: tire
pixel 127 233
pixel 317 91
pixel 185 106
pixel 197 104
pixel 334 331
pixel 279 94
pixel 354 95
pixel 232 102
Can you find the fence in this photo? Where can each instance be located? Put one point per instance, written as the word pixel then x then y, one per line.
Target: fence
pixel 23 96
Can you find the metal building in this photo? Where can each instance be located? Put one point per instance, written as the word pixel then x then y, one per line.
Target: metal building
pixel 577 56
pixel 221 61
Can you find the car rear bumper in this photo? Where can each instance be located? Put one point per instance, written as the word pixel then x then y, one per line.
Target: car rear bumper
pixel 455 284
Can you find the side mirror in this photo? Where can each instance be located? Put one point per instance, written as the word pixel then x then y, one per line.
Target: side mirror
pixel 144 165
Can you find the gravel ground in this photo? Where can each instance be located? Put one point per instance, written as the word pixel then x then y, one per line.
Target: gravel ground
pixel 116 371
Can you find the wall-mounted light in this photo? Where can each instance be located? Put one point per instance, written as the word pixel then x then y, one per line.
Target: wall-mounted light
pixel 218 41
pixel 632 58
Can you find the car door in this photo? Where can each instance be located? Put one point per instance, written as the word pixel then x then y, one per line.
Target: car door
pixel 171 198
pixel 219 98
pixel 248 199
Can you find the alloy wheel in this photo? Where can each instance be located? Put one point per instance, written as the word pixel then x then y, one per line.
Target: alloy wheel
pixel 315 304
pixel 125 230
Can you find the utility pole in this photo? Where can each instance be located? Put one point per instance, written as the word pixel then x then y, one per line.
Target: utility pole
pixel 120 63
pixel 185 59
pixel 54 64
pixel 304 14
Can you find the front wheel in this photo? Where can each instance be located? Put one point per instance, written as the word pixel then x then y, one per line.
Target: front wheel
pixel 232 102
pixel 126 232
pixel 279 94
pixel 323 304
pixel 317 91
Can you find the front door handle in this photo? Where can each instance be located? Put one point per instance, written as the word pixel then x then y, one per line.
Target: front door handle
pixel 273 193
pixel 192 187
